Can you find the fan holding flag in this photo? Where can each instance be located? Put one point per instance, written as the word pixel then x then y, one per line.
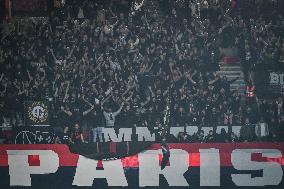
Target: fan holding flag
pixel 163 133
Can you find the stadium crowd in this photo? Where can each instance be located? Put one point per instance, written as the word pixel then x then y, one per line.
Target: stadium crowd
pixel 117 66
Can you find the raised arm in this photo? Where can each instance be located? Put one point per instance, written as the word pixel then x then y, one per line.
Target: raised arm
pixel 111 12
pixel 102 104
pixel 66 92
pixel 138 6
pixel 189 77
pixel 53 55
pixel 29 75
pixel 145 102
pixel 4 91
pixel 2 76
pixel 85 100
pixel 71 52
pixel 150 67
pixel 151 91
pixel 127 90
pixel 213 81
pixel 88 110
pixel 166 91
pixel 56 92
pixel 146 20
pixel 126 100
pixel 119 110
pixel 66 111
pixel 98 66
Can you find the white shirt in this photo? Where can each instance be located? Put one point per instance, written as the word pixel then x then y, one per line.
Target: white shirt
pixel 110 117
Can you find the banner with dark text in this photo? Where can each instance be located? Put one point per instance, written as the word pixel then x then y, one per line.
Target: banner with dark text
pixel 269 80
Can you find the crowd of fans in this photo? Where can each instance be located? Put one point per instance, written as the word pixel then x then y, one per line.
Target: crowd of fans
pixel 113 64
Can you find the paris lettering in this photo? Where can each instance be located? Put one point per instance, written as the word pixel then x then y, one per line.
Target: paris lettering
pixel 26 161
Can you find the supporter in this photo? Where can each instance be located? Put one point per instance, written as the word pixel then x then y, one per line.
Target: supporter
pixel 228 117
pixel 77 134
pixel 63 138
pixel 110 115
pixel 233 137
pixel 182 137
pixel 247 133
pixel 281 127
pixel 261 130
pixel 200 136
pixel 1 113
pixel 210 137
pixel 223 136
pixel 127 117
pixel 93 118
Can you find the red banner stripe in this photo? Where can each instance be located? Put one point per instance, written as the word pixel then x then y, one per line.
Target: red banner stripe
pixel 66 158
